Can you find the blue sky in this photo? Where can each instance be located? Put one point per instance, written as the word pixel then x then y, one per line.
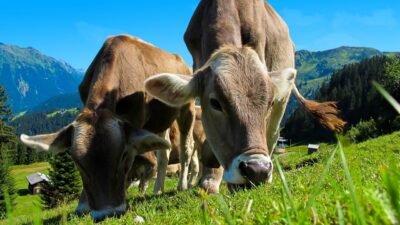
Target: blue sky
pixel 75 30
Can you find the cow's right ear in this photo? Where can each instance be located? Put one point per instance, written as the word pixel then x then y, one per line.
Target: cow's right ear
pixel 55 142
pixel 172 89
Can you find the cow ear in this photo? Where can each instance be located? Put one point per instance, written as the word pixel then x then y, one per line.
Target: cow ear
pixel 55 142
pixel 173 89
pixel 144 141
pixel 283 82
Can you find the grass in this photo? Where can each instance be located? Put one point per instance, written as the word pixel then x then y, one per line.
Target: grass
pixel 24 200
pixel 63 111
pixel 350 184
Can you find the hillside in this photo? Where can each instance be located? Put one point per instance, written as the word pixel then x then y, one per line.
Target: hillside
pixel 59 102
pixel 31 77
pixel 43 122
pixel 314 68
pixel 351 87
pixel 344 190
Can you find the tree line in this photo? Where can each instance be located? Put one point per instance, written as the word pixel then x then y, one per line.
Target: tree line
pixel 65 183
pixel 366 112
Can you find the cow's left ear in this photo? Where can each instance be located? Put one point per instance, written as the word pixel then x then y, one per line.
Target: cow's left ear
pixel 144 141
pixel 173 89
pixel 283 82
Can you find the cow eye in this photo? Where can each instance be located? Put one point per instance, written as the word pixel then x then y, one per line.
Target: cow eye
pixel 215 104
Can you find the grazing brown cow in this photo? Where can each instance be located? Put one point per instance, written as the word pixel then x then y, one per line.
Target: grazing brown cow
pixel 118 121
pixel 144 168
pixel 243 59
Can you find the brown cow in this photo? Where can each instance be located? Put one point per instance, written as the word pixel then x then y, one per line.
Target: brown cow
pixel 143 169
pixel 118 121
pixel 244 59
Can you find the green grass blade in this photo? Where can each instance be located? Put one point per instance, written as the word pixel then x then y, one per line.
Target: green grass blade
pixel 340 213
pixel 391 180
pixel 387 96
pixel 289 221
pixel 321 179
pixel 359 213
pixel 225 210
pixel 286 187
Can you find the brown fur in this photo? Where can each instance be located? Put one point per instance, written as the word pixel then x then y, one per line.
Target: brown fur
pixel 118 114
pixel 326 114
pixel 217 33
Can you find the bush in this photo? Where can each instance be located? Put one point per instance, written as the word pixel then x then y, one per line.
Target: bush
pixel 364 130
pixel 65 183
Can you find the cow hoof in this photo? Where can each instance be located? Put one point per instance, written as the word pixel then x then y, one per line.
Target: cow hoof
pixel 182 187
pixel 209 187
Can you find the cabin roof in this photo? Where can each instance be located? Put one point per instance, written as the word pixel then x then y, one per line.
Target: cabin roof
pixel 313 146
pixel 282 139
pixel 37 178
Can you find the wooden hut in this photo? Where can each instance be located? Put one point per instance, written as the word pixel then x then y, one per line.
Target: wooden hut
pixel 281 146
pixel 36 182
pixel 312 148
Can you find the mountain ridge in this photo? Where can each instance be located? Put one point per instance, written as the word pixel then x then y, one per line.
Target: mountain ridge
pixel 31 77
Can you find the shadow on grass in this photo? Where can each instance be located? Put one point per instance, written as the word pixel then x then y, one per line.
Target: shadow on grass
pixel 23 192
pixel 304 163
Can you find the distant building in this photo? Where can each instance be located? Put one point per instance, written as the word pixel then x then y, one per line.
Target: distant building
pixel 36 182
pixel 281 146
pixel 312 148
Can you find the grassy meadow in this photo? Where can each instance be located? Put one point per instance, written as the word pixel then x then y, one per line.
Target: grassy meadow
pixel 344 184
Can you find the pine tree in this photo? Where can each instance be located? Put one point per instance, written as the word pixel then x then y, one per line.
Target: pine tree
pixel 65 182
pixel 8 145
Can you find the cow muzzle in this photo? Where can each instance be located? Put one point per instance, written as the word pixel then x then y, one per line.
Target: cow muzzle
pixel 100 215
pixel 249 169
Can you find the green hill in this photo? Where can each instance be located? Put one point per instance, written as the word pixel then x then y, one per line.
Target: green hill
pixel 314 68
pixel 32 123
pixel 351 87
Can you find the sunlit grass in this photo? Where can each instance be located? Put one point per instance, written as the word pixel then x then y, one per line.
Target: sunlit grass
pixel 351 184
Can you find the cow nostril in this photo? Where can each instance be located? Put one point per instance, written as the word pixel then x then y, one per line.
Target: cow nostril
pixel 243 168
pixel 256 171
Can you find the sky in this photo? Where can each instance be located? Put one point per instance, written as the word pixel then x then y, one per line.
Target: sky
pixel 74 30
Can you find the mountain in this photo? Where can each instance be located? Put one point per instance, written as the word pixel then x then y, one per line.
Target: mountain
pixel 315 68
pixel 31 77
pixel 313 65
pixel 357 100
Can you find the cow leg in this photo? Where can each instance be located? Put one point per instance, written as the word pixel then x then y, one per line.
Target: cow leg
pixel 194 169
pixel 211 179
pixel 143 185
pixel 83 205
pixel 186 124
pixel 162 163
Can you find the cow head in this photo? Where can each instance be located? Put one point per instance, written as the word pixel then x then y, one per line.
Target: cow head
pixel 237 94
pixel 103 147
